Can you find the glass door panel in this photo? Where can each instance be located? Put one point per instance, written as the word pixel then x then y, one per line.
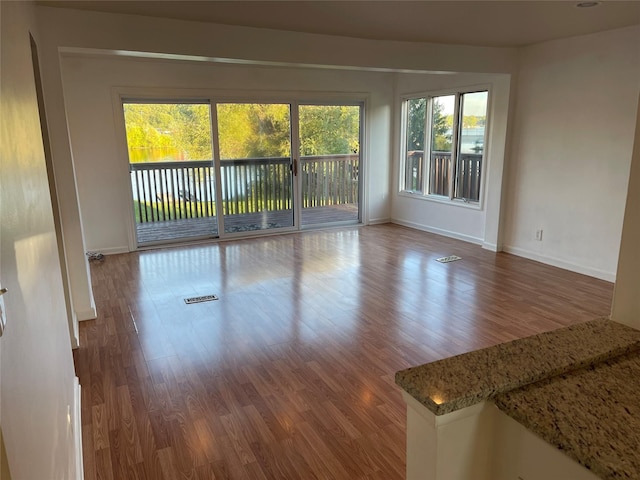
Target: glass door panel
pixel 329 163
pixel 171 170
pixel 473 118
pixel 255 166
pixel 441 144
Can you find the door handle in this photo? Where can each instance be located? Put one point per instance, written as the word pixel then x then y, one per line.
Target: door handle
pixel 295 167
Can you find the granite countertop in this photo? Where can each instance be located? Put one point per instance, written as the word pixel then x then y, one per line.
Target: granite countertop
pixel 464 380
pixel 592 414
pixel 578 388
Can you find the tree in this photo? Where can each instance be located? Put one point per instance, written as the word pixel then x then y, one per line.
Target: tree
pixel 416 119
pixel 441 129
pixel 168 131
pixel 416 111
pixel 271 136
pixel 159 132
pixel 249 130
pixel 329 130
pixel 191 126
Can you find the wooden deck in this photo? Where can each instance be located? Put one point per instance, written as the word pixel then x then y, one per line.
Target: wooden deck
pixel 154 232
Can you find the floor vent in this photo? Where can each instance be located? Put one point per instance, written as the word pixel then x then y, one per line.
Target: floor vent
pixel 204 298
pixel 450 258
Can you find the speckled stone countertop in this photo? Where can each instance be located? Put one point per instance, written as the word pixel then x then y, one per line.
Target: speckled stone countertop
pixel 592 414
pixel 461 381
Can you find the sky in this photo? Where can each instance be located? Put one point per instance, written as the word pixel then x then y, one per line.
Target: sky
pixel 475 103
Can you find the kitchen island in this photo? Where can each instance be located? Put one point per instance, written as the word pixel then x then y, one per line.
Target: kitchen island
pixel 561 404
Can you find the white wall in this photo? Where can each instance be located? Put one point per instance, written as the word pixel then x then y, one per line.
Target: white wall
pixel 575 104
pixel 571 150
pixel 37 373
pixel 63 29
pixel 77 266
pixel 101 166
pixel 626 298
pixel 475 223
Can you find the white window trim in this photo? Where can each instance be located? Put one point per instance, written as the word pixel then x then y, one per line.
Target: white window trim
pixel 452 201
pixel 455 202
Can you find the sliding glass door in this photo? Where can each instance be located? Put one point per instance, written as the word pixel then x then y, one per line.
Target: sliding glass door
pixel 329 163
pixel 278 166
pixel 171 171
pixel 255 166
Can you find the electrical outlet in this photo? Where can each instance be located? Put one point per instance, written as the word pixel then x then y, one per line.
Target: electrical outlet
pixel 539 235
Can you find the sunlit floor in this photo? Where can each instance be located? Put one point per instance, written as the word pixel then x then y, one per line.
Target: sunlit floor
pixel 290 374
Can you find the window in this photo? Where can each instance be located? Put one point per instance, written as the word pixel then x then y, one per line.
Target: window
pixel 450 128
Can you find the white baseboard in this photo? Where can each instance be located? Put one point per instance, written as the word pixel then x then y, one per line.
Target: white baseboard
pixel 90 314
pixel 438 231
pixel 77 430
pixel 492 247
pixel 378 221
pixel 556 262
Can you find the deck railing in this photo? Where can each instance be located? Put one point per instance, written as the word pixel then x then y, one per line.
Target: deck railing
pixel 180 190
pixel 329 180
pixel 469 171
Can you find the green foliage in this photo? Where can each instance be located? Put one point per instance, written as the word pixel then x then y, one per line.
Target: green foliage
pixel 473 121
pixel 167 131
pixel 329 130
pixel 416 111
pixel 442 124
pixel 252 130
pixel 163 132
pixel 441 128
pixel 263 130
pixel 168 210
pixel 148 211
pixel 234 127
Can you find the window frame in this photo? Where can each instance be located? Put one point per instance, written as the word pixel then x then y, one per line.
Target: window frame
pixel 423 192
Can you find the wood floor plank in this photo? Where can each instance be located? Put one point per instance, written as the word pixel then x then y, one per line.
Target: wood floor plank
pixel 100 429
pixel 318 454
pixel 104 466
pixel 87 446
pixel 272 461
pixel 290 374
pixel 131 440
pixel 168 464
pixel 236 435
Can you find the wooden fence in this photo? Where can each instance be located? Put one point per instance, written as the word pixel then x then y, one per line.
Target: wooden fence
pixel 468 179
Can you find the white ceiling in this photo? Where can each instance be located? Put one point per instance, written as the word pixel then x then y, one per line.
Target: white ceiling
pixel 484 23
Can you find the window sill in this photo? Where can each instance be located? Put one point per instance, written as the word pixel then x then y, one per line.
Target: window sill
pixel 441 200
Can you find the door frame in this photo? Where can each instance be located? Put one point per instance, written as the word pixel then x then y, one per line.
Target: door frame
pixel 164 100
pixel 72 318
pixel 214 96
pixel 361 162
pixel 222 234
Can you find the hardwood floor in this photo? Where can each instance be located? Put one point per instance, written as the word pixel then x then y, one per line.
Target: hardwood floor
pixel 290 374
